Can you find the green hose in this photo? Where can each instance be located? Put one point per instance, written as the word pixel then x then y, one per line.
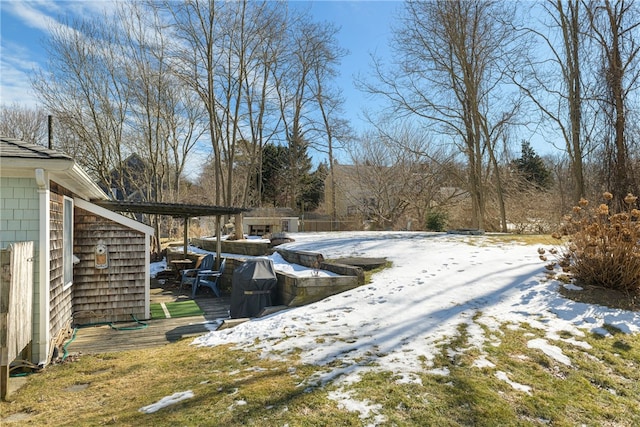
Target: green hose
pixel 141 325
pixel 65 353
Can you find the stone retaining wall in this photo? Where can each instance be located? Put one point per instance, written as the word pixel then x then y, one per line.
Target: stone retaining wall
pixel 316 260
pixel 292 290
pixel 295 291
pixel 240 247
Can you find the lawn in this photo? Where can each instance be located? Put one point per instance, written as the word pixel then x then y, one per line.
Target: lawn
pixel 455 331
pixel 233 388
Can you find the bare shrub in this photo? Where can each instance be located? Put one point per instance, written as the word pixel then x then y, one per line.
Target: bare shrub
pixel 601 249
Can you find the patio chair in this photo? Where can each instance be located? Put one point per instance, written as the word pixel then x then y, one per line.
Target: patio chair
pixel 208 278
pixel 188 276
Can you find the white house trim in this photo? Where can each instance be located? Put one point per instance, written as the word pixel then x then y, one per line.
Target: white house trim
pixel 65 172
pixel 113 216
pixel 44 273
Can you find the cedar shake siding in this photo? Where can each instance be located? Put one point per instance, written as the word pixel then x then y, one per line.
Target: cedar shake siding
pixel 115 293
pixel 61 304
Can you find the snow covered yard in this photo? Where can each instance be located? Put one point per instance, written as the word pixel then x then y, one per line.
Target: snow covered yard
pixel 398 322
pixel 461 330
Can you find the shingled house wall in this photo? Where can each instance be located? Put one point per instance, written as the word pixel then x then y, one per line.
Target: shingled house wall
pixel 116 293
pixel 61 303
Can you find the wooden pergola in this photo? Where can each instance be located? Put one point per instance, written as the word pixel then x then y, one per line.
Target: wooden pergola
pixel 176 210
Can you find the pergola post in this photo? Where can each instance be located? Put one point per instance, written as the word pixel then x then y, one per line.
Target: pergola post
pixel 239 228
pixel 218 242
pixel 186 235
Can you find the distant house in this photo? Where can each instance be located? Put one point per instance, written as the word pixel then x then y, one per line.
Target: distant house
pixel 128 179
pixel 352 197
pixel 89 263
pixel 366 191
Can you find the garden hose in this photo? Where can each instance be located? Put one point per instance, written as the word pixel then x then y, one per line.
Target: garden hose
pixel 20 363
pixel 141 325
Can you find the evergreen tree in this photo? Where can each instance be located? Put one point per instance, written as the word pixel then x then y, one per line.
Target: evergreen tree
pixel 532 168
pixel 274 164
pixel 299 169
pixel 313 192
pixel 286 174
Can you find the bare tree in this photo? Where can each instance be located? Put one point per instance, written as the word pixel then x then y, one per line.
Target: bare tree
pixel 114 96
pixel 194 60
pixel 397 176
pixel 262 114
pixel 375 189
pixel 614 27
pixel 167 120
pixel 227 52
pixel 84 88
pixel 334 129
pixel 452 56
pixel 555 83
pixel 24 123
pixel 301 78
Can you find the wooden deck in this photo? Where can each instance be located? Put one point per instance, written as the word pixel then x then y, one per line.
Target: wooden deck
pixel 131 335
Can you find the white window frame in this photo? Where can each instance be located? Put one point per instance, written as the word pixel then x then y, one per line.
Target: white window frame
pixel 67 242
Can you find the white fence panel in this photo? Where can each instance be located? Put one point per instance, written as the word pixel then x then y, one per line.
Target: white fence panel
pixel 16 305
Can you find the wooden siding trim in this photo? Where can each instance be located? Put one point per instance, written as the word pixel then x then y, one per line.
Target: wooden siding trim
pixel 113 216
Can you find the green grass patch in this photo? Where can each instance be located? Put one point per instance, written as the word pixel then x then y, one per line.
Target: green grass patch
pixel 176 309
pixel 368 274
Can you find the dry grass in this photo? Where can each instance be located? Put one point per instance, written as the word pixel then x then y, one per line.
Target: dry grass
pixel 230 388
pixel 602 296
pixel 234 388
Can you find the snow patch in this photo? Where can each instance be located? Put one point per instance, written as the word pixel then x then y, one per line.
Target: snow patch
pixel 552 351
pixel 167 401
pixel 502 376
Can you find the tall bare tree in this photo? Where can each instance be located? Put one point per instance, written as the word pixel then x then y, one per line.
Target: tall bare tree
pixel 262 114
pixel 615 29
pixel 303 76
pixel 555 82
pixel 334 130
pixel 226 52
pixel 84 88
pixel 166 119
pixel 194 60
pixel 452 56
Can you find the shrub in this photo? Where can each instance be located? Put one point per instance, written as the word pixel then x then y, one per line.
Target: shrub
pixel 436 220
pixel 601 249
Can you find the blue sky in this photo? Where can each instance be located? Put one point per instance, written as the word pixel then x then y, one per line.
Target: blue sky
pixel 365 28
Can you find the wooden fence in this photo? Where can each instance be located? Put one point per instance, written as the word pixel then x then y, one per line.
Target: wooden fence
pixel 315 225
pixel 16 306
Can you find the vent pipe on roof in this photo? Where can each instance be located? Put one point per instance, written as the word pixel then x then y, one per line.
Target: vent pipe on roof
pixel 50 130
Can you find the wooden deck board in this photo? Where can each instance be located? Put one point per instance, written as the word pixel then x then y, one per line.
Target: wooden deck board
pixel 103 338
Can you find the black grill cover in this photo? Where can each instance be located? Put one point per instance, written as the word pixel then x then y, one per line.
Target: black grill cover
pixel 251 287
